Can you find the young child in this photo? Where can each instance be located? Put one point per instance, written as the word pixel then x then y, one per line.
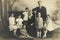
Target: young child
pixel 26 16
pixel 48 25
pixel 39 24
pixel 19 21
pixel 12 25
pixel 25 22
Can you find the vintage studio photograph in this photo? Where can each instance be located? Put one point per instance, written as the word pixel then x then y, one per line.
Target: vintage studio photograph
pixel 29 19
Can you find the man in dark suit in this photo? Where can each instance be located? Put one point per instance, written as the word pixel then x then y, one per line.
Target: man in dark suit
pixel 43 12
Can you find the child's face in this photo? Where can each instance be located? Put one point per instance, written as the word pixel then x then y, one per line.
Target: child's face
pixel 19 16
pixel 39 14
pixel 39 3
pixel 12 15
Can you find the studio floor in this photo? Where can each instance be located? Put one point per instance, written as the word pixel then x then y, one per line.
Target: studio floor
pixel 54 36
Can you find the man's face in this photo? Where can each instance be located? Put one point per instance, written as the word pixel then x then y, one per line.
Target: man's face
pixel 39 3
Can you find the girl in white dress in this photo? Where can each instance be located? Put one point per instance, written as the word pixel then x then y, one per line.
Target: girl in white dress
pixel 39 25
pixel 12 25
pixel 25 18
pixel 48 25
pixel 51 25
pixel 19 21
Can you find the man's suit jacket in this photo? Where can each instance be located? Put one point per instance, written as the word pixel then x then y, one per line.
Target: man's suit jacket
pixel 43 12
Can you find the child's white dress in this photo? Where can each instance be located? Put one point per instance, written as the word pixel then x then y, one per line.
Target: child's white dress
pixel 12 25
pixel 39 23
pixel 51 26
pixel 19 22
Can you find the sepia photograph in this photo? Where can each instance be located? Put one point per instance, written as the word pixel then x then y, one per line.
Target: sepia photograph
pixel 29 19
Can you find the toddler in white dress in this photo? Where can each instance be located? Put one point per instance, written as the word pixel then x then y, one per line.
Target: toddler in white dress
pixel 12 25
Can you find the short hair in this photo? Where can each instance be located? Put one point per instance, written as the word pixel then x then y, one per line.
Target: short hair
pixel 39 1
pixel 26 8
